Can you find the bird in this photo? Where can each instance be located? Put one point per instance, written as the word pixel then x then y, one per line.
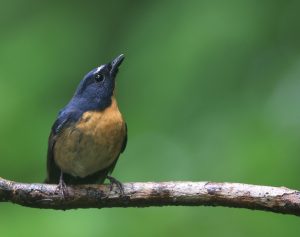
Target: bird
pixel 89 133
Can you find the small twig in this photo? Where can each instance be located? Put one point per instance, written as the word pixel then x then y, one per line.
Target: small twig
pixel 273 199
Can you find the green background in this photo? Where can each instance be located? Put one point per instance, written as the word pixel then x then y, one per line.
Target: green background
pixel 209 89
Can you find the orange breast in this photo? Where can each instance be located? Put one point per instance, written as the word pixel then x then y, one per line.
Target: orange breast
pixel 92 144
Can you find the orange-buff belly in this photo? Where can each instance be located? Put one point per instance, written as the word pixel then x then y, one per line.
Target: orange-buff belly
pixel 92 144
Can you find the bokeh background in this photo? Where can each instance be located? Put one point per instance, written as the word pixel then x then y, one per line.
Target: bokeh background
pixel 209 89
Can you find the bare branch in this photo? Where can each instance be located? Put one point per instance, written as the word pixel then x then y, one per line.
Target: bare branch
pixel 274 199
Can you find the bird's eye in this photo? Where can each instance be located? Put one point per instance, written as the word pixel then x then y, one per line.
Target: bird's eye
pixel 99 78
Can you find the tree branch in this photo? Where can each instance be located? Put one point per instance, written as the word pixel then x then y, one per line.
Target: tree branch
pixel 273 199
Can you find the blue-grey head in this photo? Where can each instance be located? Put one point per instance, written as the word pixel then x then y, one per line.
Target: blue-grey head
pixel 96 89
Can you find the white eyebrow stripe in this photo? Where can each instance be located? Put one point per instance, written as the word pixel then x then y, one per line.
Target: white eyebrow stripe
pixel 98 69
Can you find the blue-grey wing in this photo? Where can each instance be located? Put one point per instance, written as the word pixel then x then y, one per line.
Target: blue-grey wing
pixel 63 120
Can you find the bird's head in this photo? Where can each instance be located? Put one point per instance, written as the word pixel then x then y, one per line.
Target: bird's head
pixel 97 87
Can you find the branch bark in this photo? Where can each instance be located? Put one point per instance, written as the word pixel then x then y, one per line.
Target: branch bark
pixel 256 197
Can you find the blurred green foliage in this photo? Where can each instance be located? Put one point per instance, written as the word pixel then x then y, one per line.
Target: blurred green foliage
pixel 210 91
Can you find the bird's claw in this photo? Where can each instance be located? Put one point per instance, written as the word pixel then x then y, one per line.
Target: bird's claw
pixel 62 187
pixel 113 181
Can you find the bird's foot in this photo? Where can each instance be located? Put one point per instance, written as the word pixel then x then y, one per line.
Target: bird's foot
pixel 62 187
pixel 113 181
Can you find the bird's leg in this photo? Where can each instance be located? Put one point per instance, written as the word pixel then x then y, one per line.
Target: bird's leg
pixel 113 181
pixel 62 187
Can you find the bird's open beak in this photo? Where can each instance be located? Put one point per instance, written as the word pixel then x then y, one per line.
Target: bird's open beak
pixel 115 64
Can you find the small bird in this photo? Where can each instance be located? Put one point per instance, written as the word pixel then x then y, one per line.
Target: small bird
pixel 89 133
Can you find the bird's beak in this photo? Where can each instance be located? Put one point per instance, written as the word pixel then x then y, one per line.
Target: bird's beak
pixel 115 64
